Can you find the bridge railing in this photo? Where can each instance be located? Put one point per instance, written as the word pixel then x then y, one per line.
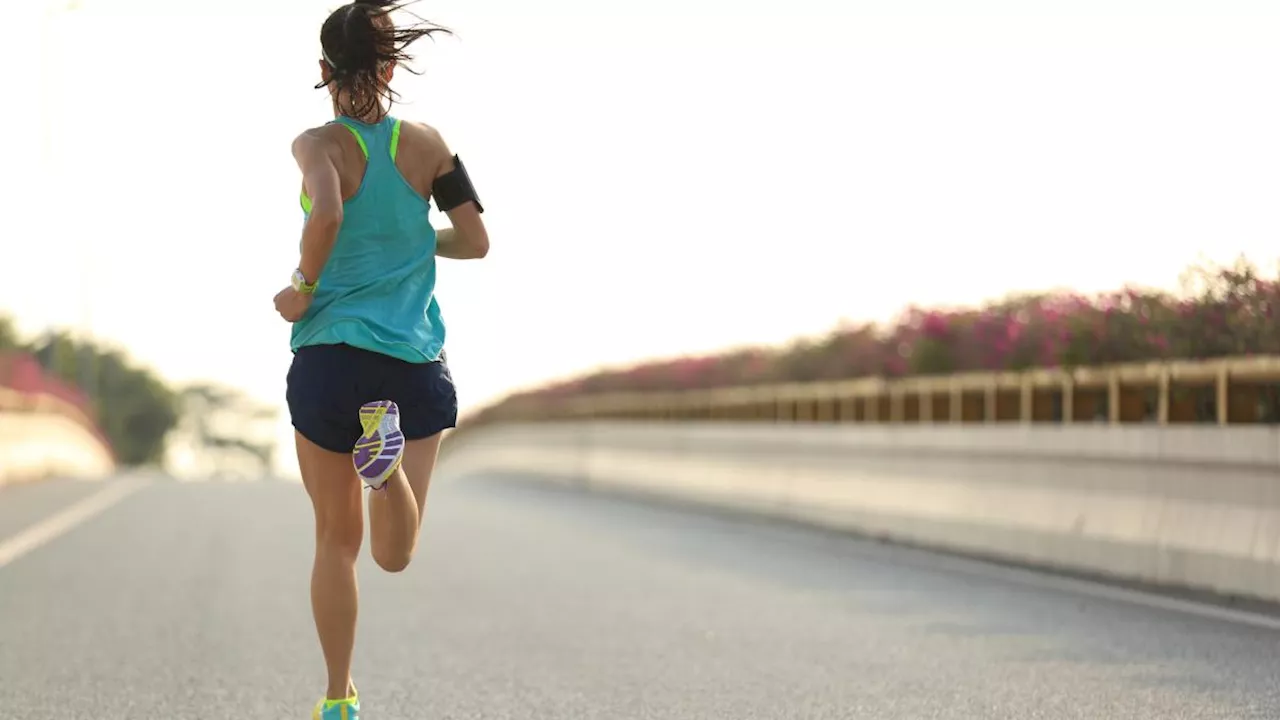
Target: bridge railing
pixel 13 401
pixel 27 390
pixel 1221 391
pixel 1094 470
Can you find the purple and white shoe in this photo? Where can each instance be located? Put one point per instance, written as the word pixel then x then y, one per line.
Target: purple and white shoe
pixel 381 448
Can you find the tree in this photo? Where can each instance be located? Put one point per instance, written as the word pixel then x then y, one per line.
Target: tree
pixel 138 411
pixel 134 407
pixel 8 335
pixel 225 431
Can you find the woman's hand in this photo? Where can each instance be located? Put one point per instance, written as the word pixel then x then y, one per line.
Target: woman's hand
pixel 292 305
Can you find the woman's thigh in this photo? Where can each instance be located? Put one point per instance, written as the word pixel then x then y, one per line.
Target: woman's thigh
pixel 335 491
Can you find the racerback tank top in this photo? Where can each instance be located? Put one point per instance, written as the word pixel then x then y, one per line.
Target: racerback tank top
pixel 377 291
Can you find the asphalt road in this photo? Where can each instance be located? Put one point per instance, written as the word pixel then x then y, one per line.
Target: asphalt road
pixel 189 601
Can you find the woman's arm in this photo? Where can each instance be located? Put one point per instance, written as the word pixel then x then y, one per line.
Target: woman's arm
pixel 314 155
pixel 467 239
pixel 458 246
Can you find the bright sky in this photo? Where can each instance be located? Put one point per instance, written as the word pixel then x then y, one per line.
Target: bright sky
pixel 659 177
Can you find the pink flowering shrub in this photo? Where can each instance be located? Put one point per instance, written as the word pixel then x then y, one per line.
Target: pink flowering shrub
pixel 1220 311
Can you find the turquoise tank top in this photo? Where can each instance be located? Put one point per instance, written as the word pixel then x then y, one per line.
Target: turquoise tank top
pixel 377 291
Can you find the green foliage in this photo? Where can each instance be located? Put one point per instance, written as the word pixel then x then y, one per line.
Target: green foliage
pixel 8 335
pixel 135 409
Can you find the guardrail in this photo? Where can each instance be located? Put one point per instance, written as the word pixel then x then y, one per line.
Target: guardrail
pixel 12 401
pixel 1180 506
pixel 42 435
pixel 26 387
pixel 1224 391
pixel 1096 470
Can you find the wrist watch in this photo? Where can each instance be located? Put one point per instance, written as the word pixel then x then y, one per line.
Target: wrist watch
pixel 301 285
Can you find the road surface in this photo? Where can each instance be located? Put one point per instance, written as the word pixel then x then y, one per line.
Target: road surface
pixel 183 601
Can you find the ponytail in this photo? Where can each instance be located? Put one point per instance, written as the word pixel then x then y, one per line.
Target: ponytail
pixel 359 41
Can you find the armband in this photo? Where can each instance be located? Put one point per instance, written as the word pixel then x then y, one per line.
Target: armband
pixel 454 188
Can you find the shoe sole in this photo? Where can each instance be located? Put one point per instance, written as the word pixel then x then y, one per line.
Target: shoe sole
pixel 377 455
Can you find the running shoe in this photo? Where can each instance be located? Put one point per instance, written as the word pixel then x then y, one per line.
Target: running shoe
pixel 348 709
pixel 380 449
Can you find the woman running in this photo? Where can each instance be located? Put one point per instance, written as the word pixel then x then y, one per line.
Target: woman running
pixel 369 392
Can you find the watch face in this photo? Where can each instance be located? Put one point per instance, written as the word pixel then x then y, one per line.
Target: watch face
pixel 300 283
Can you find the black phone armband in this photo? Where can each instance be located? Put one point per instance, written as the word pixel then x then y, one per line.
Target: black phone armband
pixel 454 189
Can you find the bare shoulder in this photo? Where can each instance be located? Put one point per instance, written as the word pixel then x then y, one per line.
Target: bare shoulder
pixel 426 133
pixel 320 139
pixel 425 142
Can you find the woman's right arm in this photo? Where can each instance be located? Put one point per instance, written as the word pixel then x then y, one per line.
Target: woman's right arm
pixel 316 158
pixel 450 243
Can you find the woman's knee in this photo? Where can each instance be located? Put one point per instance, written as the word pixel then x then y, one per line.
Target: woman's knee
pixel 335 495
pixel 339 511
pixel 342 533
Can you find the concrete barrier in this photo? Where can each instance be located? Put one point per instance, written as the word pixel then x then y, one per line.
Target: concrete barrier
pixel 35 445
pixel 1191 507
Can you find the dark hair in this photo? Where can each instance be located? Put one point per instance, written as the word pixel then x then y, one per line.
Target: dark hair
pixel 359 40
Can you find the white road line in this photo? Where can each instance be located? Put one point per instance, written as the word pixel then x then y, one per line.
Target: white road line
pixel 63 522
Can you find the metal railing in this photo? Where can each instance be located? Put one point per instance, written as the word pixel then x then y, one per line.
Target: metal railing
pixel 1222 391
pixel 17 402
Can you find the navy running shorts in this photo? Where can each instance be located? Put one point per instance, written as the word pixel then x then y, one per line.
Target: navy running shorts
pixel 327 384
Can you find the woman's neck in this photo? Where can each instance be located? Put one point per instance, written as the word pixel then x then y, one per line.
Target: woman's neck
pixel 370 118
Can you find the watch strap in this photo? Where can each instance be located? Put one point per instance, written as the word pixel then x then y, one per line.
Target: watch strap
pixel 301 285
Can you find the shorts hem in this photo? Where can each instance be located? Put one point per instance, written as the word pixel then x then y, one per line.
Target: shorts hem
pixel 322 445
pixel 436 430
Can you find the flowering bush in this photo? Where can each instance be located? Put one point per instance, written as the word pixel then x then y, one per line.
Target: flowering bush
pixel 1220 311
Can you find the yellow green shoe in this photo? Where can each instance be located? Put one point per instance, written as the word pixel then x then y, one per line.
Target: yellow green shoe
pixel 347 709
